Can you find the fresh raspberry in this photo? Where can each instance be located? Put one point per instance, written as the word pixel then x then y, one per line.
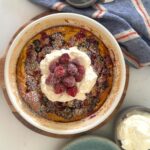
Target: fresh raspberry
pixel 53 65
pixel 64 58
pixel 81 69
pixel 59 71
pixel 79 77
pixel 52 80
pixel 59 88
pixel 69 81
pixel 48 80
pixel 72 69
pixel 72 91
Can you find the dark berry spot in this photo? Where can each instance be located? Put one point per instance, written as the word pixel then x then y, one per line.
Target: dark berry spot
pixel 80 35
pixel 38 49
pixel 36 43
pixel 30 47
pixel 43 35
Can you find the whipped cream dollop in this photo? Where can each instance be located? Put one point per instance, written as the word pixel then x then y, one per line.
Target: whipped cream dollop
pixel 85 86
pixel 134 131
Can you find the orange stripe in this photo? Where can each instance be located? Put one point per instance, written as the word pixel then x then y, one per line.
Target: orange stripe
pixel 127 35
pixel 138 4
pixel 99 8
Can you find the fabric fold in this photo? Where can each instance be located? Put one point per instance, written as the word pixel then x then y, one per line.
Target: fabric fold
pixel 127 20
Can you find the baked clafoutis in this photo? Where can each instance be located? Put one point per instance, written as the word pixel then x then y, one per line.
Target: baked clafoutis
pixel 64 73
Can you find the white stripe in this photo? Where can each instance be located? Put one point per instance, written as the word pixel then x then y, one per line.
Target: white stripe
pixel 146 21
pixel 95 14
pixel 57 4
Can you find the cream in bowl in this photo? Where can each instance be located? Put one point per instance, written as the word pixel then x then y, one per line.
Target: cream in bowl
pixel 92 86
pixel 133 129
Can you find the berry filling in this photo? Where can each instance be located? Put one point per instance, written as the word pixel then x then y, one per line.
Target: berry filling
pixel 64 74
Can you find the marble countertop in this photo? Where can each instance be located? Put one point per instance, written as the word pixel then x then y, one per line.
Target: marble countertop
pixel 13 134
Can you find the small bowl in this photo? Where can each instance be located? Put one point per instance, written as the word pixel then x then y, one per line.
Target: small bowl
pixel 91 143
pixel 118 82
pixel 124 114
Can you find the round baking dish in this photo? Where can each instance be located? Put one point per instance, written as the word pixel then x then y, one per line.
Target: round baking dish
pixel 118 82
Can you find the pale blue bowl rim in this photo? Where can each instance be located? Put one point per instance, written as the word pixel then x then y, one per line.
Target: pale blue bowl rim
pixel 94 137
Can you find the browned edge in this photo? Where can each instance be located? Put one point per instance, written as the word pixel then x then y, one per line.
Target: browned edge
pixel 2 62
pixel 22 120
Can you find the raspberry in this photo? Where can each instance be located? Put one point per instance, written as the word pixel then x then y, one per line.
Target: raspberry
pixel 53 65
pixel 72 91
pixel 59 71
pixel 79 77
pixel 64 58
pixel 81 69
pixel 72 69
pixel 51 80
pixel 59 88
pixel 69 81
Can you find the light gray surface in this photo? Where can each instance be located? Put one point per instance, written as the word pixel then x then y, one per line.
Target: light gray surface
pixel 14 135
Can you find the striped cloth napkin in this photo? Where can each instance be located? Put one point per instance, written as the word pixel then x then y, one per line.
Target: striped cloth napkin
pixel 127 20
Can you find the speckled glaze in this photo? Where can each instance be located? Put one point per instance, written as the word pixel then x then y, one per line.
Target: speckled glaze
pixel 119 73
pixel 91 143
